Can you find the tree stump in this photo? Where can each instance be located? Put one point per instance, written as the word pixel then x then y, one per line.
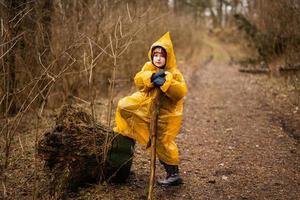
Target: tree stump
pixel 74 151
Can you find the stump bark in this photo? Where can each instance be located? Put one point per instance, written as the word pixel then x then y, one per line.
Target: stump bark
pixel 74 149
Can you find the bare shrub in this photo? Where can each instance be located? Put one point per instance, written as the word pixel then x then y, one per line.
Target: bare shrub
pixel 69 52
pixel 279 25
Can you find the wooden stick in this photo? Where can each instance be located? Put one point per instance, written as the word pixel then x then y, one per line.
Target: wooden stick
pixel 153 130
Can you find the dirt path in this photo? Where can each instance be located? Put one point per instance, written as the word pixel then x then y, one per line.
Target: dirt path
pixel 230 145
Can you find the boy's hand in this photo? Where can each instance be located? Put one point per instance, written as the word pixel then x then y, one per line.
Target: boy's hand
pixel 159 81
pixel 158 74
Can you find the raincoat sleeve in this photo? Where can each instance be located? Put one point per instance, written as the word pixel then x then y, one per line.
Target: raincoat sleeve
pixel 174 87
pixel 142 79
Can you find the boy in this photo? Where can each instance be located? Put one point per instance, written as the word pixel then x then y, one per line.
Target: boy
pixel 134 112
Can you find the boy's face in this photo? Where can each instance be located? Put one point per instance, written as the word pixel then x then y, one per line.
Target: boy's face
pixel 159 58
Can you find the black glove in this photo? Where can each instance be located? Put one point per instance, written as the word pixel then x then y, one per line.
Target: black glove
pixel 158 74
pixel 159 81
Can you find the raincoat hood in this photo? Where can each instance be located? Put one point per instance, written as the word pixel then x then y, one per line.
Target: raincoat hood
pixel 166 43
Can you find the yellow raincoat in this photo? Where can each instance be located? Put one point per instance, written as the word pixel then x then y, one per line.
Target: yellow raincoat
pixel 134 112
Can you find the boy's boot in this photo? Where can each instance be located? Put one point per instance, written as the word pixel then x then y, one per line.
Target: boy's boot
pixel 172 178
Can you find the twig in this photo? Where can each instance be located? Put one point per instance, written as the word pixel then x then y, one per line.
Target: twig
pixel 2 99
pixel 15 17
pixel 34 193
pixel 120 29
pixel 126 47
pixel 1 56
pixel 115 34
pixel 22 18
pixel 14 38
pixel 111 85
pixel 128 12
pixel 90 83
pixel 2 27
pixel 21 145
pixel 4 189
pixel 80 99
pixel 41 62
pixel 3 4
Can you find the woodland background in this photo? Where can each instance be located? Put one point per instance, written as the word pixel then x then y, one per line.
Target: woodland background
pixel 55 52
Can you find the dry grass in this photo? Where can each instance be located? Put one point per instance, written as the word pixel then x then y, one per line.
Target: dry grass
pixel 279 27
pixel 85 50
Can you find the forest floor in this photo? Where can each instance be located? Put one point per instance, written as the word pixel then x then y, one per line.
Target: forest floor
pixel 239 140
pixel 232 145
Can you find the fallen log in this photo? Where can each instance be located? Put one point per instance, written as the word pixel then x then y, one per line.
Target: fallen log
pixel 254 70
pixel 73 153
pixel 289 68
pixel 264 70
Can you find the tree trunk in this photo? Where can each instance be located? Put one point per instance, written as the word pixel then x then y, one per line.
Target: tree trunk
pixel 220 12
pixel 9 11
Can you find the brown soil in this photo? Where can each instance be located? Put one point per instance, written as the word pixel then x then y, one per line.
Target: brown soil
pixel 232 143
pixel 239 140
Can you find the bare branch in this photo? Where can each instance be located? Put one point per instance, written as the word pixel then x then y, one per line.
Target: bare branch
pixel 111 46
pixel 3 4
pixel 126 47
pixel 128 12
pixel 80 99
pixel 2 27
pixel 9 49
pixel 15 38
pixel 22 17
